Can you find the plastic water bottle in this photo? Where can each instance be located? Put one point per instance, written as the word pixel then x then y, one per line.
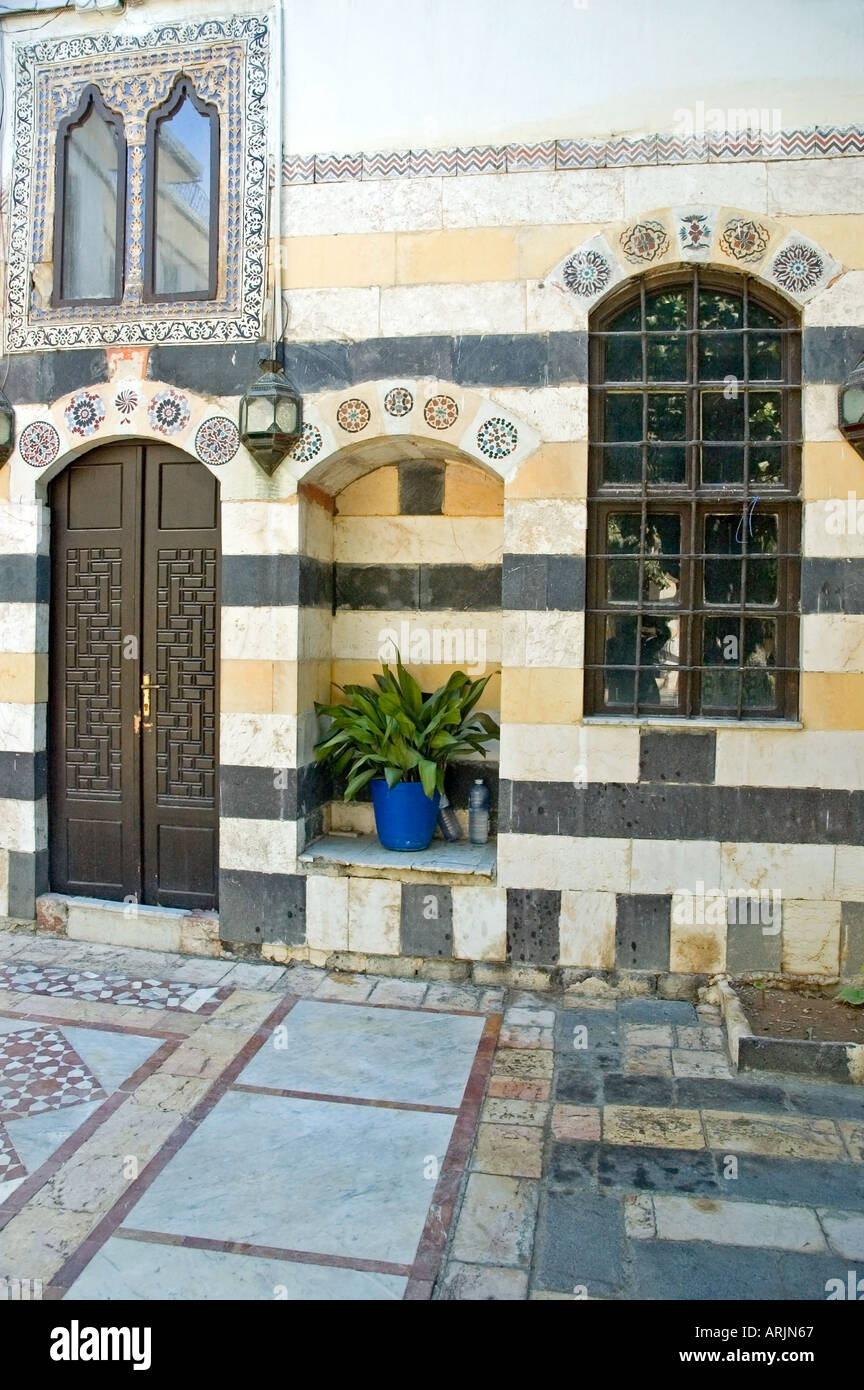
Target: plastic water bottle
pixel 478 813
pixel 448 821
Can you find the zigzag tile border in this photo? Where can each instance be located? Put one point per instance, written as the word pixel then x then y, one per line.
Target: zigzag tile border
pixel 616 152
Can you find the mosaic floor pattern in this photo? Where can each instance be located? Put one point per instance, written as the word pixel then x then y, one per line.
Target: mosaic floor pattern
pixel 92 986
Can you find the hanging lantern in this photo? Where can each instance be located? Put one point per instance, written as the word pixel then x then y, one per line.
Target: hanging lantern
pixel 7 428
pixel 852 408
pixel 271 416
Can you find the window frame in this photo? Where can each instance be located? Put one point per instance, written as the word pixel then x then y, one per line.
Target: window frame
pixel 693 501
pixel 91 96
pixel 183 88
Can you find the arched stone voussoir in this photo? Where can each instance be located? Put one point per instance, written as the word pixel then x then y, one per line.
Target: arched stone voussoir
pixel 349 432
pixel 791 263
pixel 50 436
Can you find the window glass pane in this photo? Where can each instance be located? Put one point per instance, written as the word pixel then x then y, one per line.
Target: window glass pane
pixel 183 194
pixel 641 663
pixel 759 684
pixel 721 355
pixel 724 549
pixel 719 309
pixel 766 464
pixel 622 463
pixel 629 318
pixel 667 415
pixel 90 211
pixel 722 464
pixel 766 357
pixel 624 415
pixel 721 645
pixel 624 358
pixel 666 357
pixel 757 317
pixel 722 415
pixel 766 414
pixel 662 564
pixel 666 310
pixel 666 463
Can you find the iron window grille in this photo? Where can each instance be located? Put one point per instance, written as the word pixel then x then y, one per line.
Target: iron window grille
pixel 694 531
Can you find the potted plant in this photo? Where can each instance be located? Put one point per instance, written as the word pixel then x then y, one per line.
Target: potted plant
pixel 401 740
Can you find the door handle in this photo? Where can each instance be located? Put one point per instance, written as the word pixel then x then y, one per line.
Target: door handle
pixel 147 686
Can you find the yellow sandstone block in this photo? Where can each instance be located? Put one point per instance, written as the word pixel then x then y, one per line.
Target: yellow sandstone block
pixel 843 236
pixel 832 700
pixel 336 262
pixel 4 483
pixel 469 491
pixel 246 687
pixel 470 256
pixel 540 248
pixel 375 494
pixel 556 470
pixel 541 695
pixel 831 469
pixel 24 677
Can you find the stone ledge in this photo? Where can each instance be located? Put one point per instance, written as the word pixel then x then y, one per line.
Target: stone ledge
pixel 129 924
pixel 363 856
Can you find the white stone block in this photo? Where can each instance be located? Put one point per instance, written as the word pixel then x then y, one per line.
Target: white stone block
pixel 849 873
pixel 374 907
pixel 479 923
pixel 554 639
pixel 109 923
pixel 23 627
pixel 258 740
pixel 327 913
pixel 801 187
pixel 673 866
pixel 494 307
pixel 651 187
pixel 466 640
pixel 25 528
pixel 533 198
pixel 549 526
pixel 587 929
pixel 819 411
pixel 737 1223
pixel 264 846
pixel 548 309
pixel 386 205
pixel 791 758
pixel 316 531
pixel 577 753
pixel 564 861
pixel 23 825
pixel 811 937
pixel 835 528
pixel 333 315
pixel 22 727
pixel 555 412
pixel 260 528
pixel 4 882
pixel 832 642
pixel 260 634
pixel 794 871
pixel 840 305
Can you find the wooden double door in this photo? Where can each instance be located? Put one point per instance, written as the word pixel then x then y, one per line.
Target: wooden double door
pixel 134 650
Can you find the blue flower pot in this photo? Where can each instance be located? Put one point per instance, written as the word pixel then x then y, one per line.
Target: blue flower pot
pixel 404 815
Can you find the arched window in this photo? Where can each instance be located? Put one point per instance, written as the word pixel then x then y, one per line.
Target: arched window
pixel 182 198
pixel 694 523
pixel 90 205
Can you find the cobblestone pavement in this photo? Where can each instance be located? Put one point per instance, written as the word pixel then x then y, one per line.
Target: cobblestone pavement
pixel 176 1127
pixel 620 1157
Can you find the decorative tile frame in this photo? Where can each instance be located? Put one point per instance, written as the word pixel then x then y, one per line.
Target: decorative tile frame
pixel 228 61
pixel 788 261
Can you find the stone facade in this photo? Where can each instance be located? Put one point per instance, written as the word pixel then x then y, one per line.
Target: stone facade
pixel 438 310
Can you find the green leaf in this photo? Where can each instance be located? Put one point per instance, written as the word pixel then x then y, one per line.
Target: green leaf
pixel 428 776
pixel 358 783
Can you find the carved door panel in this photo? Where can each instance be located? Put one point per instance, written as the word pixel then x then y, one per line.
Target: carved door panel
pixel 134 653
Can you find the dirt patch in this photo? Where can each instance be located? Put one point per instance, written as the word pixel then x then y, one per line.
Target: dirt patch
pixel 786 1013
